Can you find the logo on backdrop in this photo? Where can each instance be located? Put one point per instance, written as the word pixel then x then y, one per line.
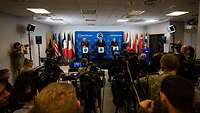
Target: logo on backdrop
pixel 99 35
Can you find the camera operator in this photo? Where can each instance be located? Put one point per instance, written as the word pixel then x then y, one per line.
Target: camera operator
pixel 176 96
pixel 89 91
pixel 169 65
pixel 187 63
pixel 49 73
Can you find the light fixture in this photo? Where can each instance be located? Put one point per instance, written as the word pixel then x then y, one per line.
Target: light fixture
pixel 135 13
pixel 55 20
pixel 151 21
pixel 122 20
pixel 58 19
pixel 38 10
pixel 177 13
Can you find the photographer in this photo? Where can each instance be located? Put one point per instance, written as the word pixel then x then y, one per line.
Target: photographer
pixel 169 65
pixel 176 96
pixel 187 64
pixel 49 73
pixel 89 88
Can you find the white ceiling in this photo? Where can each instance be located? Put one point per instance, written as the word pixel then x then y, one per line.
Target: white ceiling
pixel 107 11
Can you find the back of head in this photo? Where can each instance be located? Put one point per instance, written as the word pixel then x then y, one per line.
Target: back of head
pixel 179 92
pixel 56 98
pixel 84 61
pixel 191 53
pixel 169 62
pixel 4 74
pixel 184 49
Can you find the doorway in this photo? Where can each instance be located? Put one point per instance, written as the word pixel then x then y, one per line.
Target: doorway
pixel 156 43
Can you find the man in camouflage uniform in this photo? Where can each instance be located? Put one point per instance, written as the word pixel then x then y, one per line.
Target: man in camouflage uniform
pixel 169 64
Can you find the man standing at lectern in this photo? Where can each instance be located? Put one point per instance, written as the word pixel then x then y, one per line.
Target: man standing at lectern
pixel 85 48
pixel 100 45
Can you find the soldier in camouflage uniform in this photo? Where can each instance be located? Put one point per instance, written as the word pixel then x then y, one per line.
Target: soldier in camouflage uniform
pixel 169 64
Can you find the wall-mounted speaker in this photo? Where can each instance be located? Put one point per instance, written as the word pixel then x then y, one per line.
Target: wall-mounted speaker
pixel 171 29
pixel 38 39
pixel 30 27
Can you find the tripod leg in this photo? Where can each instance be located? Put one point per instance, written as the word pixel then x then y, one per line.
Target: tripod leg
pixel 116 110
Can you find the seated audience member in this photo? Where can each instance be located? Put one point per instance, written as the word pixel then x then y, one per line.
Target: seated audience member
pixel 176 94
pixel 169 64
pixel 4 97
pixel 56 98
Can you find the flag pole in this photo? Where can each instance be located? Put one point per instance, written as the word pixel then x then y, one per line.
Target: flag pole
pixel 67 48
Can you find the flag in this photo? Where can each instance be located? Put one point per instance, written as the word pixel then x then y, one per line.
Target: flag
pixel 141 42
pixel 132 41
pixel 73 45
pixel 55 47
pixel 70 53
pixel 49 41
pixel 135 43
pixel 126 37
pixel 64 46
pixel 59 42
pixel 49 46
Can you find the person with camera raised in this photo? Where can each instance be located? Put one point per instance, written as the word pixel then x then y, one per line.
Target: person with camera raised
pixel 168 66
pixel 176 96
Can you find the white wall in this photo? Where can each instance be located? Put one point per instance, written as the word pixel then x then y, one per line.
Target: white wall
pixel 159 28
pixel 190 38
pixel 8 35
pixel 179 34
pixel 133 29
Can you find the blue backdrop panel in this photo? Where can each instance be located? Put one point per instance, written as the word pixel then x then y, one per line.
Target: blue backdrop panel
pixel 92 37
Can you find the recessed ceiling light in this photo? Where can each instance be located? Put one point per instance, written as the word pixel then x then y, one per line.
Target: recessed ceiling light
pixel 151 21
pixel 38 10
pixel 134 12
pixel 122 20
pixel 57 19
pixel 177 13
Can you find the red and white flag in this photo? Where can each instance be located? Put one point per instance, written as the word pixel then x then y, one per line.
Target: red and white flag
pixel 135 43
pixel 126 37
pixel 55 47
pixel 141 42
pixel 70 52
